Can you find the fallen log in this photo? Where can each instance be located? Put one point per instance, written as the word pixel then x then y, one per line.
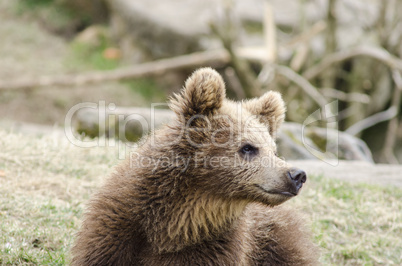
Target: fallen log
pixel 212 58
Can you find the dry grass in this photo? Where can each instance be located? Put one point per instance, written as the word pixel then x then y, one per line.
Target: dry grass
pixel 44 183
pixel 355 224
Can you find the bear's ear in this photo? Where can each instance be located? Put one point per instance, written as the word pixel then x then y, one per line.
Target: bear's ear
pixel 270 110
pixel 203 94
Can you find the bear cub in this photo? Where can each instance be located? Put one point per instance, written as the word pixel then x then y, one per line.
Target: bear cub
pixel 202 190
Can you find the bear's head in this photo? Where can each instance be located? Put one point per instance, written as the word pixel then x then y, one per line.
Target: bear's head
pixel 229 147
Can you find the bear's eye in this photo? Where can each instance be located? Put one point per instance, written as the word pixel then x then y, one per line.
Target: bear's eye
pixel 248 150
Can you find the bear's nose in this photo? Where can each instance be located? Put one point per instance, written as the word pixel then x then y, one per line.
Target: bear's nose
pixel 297 178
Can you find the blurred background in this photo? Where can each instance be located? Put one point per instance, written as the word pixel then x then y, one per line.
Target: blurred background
pixel 55 54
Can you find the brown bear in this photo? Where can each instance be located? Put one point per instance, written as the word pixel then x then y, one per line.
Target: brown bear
pixel 203 190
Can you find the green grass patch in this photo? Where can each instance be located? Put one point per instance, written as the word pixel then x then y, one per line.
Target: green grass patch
pixel 36 3
pixel 90 56
pixel 34 231
pixel 148 89
pixel 52 11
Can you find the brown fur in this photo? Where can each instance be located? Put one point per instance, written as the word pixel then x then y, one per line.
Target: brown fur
pixel 192 210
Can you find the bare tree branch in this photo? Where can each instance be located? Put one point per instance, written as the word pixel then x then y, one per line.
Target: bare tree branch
pixel 377 53
pixel 306 36
pixel 234 82
pixel 372 120
pixel 270 33
pixel 248 80
pixel 303 83
pixel 331 42
pixel 347 97
pixel 301 55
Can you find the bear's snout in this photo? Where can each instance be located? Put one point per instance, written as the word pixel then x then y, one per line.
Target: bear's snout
pixel 296 177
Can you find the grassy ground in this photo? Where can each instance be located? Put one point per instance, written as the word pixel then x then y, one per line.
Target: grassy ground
pixel 355 224
pixel 43 185
pixel 45 182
